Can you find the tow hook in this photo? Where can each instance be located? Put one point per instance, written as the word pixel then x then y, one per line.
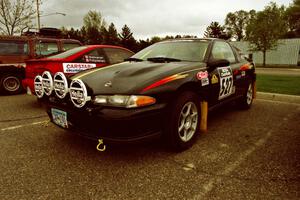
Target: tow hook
pixel 101 146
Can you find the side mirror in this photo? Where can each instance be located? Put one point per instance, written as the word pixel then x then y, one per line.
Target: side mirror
pixel 212 64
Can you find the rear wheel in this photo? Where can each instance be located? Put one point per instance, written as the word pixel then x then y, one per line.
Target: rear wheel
pixel 246 101
pixel 183 126
pixel 11 84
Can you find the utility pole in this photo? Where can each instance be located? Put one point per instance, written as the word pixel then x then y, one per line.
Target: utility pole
pixel 38 14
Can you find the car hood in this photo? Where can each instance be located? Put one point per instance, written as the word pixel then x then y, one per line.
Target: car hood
pixel 132 77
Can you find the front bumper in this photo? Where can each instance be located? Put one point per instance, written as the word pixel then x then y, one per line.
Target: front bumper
pixel 29 85
pixel 114 125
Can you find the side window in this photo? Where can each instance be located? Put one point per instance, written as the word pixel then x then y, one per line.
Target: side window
pixel 116 55
pixel 222 50
pixel 13 48
pixel 44 48
pixel 93 56
pixel 67 46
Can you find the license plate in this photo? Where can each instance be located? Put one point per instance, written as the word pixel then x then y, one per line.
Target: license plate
pixel 59 117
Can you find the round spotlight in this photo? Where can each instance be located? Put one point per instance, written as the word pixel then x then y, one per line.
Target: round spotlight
pixel 47 83
pixel 60 85
pixel 38 86
pixel 78 93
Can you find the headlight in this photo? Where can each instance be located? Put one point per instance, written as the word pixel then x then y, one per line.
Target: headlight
pixel 125 101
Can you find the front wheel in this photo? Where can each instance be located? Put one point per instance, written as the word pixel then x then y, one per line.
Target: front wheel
pixel 11 84
pixel 183 126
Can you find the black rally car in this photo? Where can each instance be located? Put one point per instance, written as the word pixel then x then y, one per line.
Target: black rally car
pixel 156 92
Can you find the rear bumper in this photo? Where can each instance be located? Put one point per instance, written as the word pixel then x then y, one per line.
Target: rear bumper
pixel 115 125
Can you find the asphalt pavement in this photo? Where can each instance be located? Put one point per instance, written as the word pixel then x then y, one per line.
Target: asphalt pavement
pixel 251 154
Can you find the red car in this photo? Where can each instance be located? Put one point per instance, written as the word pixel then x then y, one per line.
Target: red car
pixel 73 61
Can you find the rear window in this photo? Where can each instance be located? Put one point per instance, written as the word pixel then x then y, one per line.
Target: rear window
pixel 69 52
pixel 46 48
pixel 13 48
pixel 68 46
pixel 116 55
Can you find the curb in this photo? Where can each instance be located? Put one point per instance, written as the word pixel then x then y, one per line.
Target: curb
pixel 278 97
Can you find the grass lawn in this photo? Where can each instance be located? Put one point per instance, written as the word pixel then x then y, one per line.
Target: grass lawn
pixel 278 84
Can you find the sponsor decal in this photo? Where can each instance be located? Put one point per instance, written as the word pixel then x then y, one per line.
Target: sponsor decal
pixel 95 59
pixel 201 75
pixel 225 71
pixel 226 82
pixel 204 81
pixel 214 79
pixel 77 67
pixel 243 73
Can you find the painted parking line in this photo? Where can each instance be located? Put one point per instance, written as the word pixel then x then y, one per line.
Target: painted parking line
pixel 24 125
pixel 209 185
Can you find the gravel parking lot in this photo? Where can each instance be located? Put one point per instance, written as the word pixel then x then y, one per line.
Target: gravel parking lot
pixel 250 154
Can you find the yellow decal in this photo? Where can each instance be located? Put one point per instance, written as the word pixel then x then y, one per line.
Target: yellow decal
pixel 101 146
pixel 214 79
pixel 93 71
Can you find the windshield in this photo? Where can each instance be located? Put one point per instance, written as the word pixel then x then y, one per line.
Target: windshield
pixel 182 50
pixel 69 52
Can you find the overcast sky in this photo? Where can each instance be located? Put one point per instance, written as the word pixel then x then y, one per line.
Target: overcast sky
pixel 148 18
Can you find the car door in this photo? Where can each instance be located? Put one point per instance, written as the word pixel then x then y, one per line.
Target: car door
pixel 90 59
pixel 222 78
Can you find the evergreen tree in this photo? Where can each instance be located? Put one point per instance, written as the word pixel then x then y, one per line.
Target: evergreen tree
pixel 215 30
pixel 111 36
pixel 126 39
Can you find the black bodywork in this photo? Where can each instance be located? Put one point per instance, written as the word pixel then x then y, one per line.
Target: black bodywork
pixel 155 78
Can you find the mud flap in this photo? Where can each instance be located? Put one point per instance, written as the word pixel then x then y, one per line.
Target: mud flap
pixel 203 119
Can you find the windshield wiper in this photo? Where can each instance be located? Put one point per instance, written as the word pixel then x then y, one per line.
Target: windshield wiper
pixel 133 59
pixel 163 59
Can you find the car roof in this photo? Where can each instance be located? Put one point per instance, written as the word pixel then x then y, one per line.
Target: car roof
pixel 193 39
pixel 105 46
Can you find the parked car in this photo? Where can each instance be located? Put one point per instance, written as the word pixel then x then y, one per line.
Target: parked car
pixel 157 92
pixel 74 61
pixel 15 50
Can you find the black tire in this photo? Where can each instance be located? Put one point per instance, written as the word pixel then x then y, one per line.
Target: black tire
pixel 182 140
pixel 11 84
pixel 246 101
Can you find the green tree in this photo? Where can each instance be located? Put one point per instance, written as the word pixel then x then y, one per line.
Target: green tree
pixel 94 25
pixel 16 16
pixel 126 38
pixel 215 30
pixel 293 17
pixel 236 23
pixel 72 34
pixel 155 39
pixel 266 28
